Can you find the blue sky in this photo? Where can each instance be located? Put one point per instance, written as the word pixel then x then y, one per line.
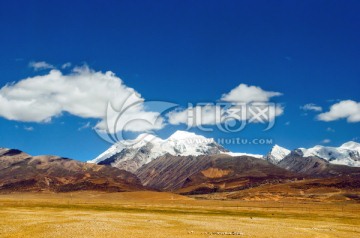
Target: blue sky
pixel 188 51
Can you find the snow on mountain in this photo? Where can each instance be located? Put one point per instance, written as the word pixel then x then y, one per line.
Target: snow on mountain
pixel 243 154
pixel 347 154
pixel 132 154
pixel 351 145
pixel 108 153
pixel 136 143
pixel 276 154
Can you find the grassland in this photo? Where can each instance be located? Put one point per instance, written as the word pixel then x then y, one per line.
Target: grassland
pixel 151 214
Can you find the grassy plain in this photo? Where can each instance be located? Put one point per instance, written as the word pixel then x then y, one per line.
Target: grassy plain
pixel 166 215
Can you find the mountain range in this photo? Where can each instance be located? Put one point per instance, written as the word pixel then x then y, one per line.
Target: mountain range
pixel 131 155
pixel 184 163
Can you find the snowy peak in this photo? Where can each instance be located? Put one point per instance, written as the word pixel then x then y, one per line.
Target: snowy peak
pixel 347 154
pixel 278 150
pixel 132 154
pixel 276 154
pixel 184 135
pixel 351 145
pixel 186 143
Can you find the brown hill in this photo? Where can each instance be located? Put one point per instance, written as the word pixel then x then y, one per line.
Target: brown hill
pixel 22 172
pixel 316 189
pixel 206 174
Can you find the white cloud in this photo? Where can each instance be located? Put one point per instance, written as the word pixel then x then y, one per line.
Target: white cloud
pixel 246 94
pixel 311 107
pixel 326 141
pixel 40 65
pixel 83 92
pixel 347 109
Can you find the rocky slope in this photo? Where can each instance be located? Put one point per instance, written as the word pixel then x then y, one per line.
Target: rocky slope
pixel 314 166
pixel 202 174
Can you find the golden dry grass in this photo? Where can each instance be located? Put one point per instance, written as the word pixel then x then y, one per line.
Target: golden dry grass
pixel 151 214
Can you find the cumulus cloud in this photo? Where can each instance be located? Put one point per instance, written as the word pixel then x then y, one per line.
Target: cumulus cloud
pixel 40 65
pixel 311 107
pixel 83 92
pixel 243 103
pixel 326 141
pixel 246 94
pixel 347 109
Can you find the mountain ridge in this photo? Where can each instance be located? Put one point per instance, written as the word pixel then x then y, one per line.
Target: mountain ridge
pixel 131 155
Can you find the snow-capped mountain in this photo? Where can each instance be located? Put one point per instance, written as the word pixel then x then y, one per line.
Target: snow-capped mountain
pixel 347 154
pixel 276 154
pixel 130 155
pixel 351 145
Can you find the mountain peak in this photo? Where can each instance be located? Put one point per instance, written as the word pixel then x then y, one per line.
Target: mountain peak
pixel 351 145
pixel 146 147
pixel 181 135
pixel 277 147
pixel 276 154
pixel 347 154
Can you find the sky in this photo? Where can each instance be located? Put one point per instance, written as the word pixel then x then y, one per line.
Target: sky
pixel 62 62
